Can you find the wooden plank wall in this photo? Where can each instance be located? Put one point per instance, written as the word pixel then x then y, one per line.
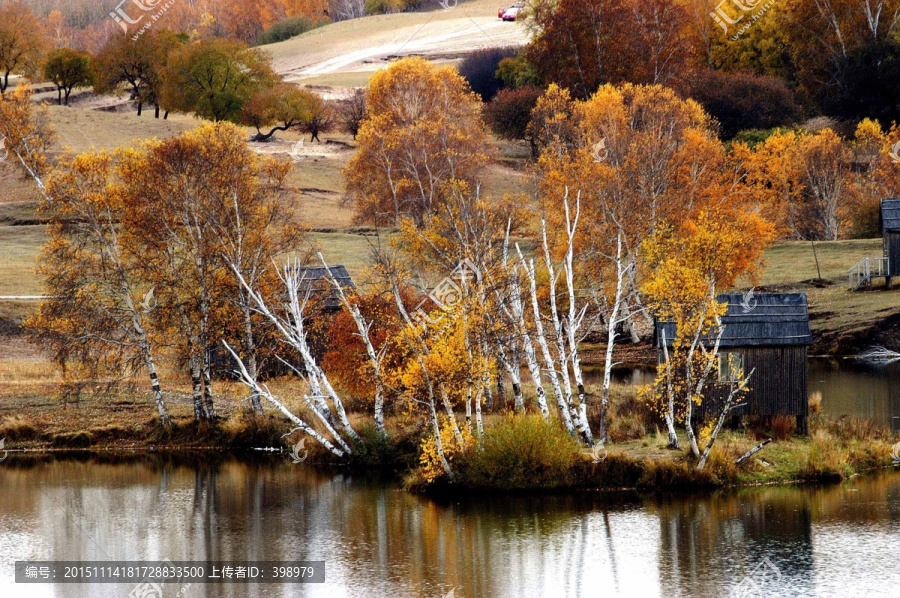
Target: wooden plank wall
pixel 892 252
pixel 778 385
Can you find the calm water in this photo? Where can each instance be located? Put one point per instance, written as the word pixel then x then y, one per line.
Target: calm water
pixel 380 541
pixel 864 390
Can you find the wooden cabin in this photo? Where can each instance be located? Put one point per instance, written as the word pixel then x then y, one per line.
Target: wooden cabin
pixel 768 333
pixel 888 264
pixel 890 230
pixel 322 294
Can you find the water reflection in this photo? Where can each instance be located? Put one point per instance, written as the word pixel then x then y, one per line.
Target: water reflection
pixel 380 541
pixel 864 390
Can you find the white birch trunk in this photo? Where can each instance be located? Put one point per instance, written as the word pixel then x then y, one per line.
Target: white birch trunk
pixel 264 392
pixel 612 322
pixel 561 404
pixel 363 327
pixel 729 405
pixel 457 433
pixel 534 368
pixel 670 395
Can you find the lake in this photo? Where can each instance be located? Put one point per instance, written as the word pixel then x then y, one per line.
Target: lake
pixel 866 390
pixel 377 540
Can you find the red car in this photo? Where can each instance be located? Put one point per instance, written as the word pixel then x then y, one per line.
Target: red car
pixel 513 10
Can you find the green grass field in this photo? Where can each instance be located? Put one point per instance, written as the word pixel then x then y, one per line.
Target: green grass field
pixel 836 311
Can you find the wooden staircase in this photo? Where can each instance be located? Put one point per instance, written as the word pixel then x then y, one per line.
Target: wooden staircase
pixel 865 270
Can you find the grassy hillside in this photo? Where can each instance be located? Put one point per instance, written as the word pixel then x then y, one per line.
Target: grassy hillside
pixel 843 321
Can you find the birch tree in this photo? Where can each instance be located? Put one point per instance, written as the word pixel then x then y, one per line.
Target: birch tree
pixel 290 322
pixel 689 266
pixel 97 309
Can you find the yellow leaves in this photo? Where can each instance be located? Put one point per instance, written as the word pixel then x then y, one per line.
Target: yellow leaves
pixel 805 182
pixel 710 252
pixel 429 458
pixel 25 132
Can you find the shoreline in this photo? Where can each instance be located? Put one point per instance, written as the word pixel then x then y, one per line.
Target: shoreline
pixel 683 479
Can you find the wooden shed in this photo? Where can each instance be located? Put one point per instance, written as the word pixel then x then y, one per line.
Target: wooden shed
pixel 323 304
pixel 890 230
pixel 322 293
pixel 765 332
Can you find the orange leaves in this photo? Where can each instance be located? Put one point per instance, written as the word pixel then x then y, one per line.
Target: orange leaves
pixel 804 182
pixel 636 156
pixel 686 266
pixel 581 44
pixel 22 41
pixel 422 136
pixel 25 133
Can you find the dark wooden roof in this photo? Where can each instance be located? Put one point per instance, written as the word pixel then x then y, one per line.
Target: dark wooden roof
pixel 763 319
pixel 890 215
pixel 319 285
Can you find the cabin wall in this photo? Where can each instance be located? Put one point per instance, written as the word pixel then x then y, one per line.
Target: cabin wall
pixel 892 252
pixel 778 385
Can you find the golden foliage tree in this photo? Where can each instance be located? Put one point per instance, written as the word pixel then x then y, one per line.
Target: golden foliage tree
pixel 686 269
pixel 422 136
pixel 21 41
pixel 805 182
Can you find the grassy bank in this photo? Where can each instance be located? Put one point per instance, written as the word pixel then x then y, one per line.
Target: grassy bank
pixel 834 451
pixel 518 453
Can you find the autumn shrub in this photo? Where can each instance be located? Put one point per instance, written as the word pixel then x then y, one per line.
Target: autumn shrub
pixel 521 451
pixel 778 427
pixel 16 427
pixel 431 468
pixel 744 100
pixel 753 137
pixel 283 30
pixel 517 72
pixel 479 68
pixel 848 429
pixel 827 459
pixel 630 416
pixel 374 449
pixel 509 113
pixel 380 7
